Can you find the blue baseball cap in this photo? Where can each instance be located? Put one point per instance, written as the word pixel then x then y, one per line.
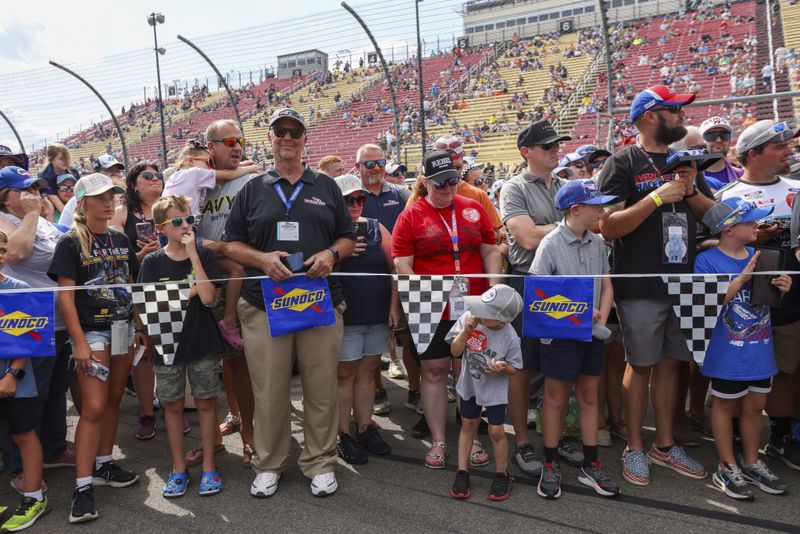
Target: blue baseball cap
pixel 732 211
pixel 20 157
pixel 581 192
pixel 591 150
pixel 18 178
pixel 658 95
pixel 64 178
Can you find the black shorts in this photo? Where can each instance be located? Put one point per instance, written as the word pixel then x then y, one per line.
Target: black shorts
pixel 736 389
pixel 531 353
pixel 565 359
pixel 22 414
pixel 438 348
pixel 470 409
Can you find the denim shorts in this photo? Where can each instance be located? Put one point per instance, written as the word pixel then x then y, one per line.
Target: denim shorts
pixel 364 340
pixel 470 409
pixel 99 339
pixel 203 378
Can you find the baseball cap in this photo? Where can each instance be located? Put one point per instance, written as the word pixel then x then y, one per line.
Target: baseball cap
pixel 658 95
pixel 349 183
pixel 21 157
pixel 469 168
pixel 449 142
pixel 715 122
pixel 106 161
pixel 731 211
pixel 765 131
pixel 64 178
pixel 95 184
pixel 439 166
pixel 591 150
pixel 497 185
pixel 581 192
pixel 569 159
pixel 539 133
pixel 18 178
pixel 570 171
pixel 287 113
pixel 392 168
pixel 499 302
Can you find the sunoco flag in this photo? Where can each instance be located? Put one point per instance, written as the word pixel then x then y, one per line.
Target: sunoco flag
pixel 297 304
pixel 558 308
pixel 27 325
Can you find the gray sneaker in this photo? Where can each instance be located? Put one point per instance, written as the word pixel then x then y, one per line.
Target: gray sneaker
pixel 568 451
pixel 729 480
pixel 525 457
pixel 759 475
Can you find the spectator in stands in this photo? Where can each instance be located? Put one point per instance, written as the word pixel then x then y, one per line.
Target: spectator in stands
pixel 528 210
pixel 106 165
pixel 396 173
pixel 578 164
pixel 325 239
pixel 65 190
pixel 654 215
pixel 594 156
pixel 333 166
pixel 8 158
pixel 472 174
pixel 766 77
pixel 717 133
pixel 58 163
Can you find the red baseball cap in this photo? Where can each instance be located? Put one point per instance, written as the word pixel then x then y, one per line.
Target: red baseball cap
pixel 658 95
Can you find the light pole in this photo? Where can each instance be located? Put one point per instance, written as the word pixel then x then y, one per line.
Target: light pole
pixel 421 89
pixel 153 20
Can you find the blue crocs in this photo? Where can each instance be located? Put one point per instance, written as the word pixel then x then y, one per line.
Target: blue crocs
pixel 176 485
pixel 210 483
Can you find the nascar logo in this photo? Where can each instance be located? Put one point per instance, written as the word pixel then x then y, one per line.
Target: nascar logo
pixel 18 323
pixel 558 307
pixel 299 300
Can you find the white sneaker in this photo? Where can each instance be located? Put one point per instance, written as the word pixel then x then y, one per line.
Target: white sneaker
pixel 395 370
pixel 324 484
pixel 265 485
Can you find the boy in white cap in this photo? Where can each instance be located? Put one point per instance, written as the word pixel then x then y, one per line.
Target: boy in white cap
pixel 484 337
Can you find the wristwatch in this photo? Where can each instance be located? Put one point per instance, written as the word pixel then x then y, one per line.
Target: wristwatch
pixel 694 193
pixel 334 252
pixel 18 374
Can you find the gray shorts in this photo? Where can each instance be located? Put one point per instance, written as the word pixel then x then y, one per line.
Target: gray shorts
pixel 650 331
pixel 203 378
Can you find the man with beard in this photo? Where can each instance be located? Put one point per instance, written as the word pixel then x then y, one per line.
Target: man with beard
pixel 764 151
pixel 653 228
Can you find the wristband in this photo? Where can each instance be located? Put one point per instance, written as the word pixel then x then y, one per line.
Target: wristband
pixel 657 199
pixel 694 193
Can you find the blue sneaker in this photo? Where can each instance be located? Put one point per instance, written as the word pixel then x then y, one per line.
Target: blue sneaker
pixel 210 483
pixel 636 467
pixel 176 485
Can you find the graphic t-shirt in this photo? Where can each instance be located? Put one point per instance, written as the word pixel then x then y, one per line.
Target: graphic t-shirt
pixel 26 388
pixel 483 345
pixel 665 242
pixel 741 345
pixel 111 260
pixel 200 336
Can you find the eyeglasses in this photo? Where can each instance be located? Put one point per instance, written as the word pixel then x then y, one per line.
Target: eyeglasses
pixel 152 176
pixel 450 182
pixel 547 147
pixel 229 142
pixel 596 164
pixel 370 164
pixel 675 110
pixel 65 188
pixel 177 222
pixel 355 201
pixel 713 136
pixel 478 181
pixel 394 174
pixel 578 164
pixel 281 131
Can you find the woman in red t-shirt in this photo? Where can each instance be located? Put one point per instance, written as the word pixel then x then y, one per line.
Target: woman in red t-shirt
pixel 443 234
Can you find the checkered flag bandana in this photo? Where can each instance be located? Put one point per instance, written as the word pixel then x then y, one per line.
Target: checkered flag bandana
pixel 162 308
pixel 697 303
pixel 424 298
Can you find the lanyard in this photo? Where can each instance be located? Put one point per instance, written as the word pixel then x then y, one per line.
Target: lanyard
pixel 453 232
pixel 103 253
pixel 295 193
pixel 652 164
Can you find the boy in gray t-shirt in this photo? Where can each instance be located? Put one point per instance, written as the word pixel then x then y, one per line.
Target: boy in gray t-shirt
pixel 491 352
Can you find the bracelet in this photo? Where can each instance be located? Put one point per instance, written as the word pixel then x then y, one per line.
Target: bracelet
pixel 657 199
pixel 694 193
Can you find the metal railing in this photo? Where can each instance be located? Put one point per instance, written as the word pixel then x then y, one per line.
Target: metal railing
pixel 580 91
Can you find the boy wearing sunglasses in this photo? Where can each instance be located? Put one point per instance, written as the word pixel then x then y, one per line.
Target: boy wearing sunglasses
pixel 717 134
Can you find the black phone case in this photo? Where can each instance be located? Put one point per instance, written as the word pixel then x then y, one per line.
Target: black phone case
pixel 294 262
pixel 763 292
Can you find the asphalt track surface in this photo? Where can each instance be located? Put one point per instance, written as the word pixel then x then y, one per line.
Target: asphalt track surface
pixel 397 493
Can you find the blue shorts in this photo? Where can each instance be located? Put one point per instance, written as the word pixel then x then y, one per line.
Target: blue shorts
pixel 99 339
pixel 470 409
pixel 364 340
pixel 565 359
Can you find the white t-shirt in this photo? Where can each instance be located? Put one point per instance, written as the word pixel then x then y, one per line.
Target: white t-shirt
pixel 779 194
pixel 193 183
pixel 68 212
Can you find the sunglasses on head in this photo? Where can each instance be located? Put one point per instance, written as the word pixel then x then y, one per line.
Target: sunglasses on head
pixel 713 136
pixel 355 201
pixel 549 146
pixel 66 188
pixel 229 142
pixel 450 182
pixel 370 164
pixel 177 222
pixel 295 133
pixel 672 109
pixel 147 175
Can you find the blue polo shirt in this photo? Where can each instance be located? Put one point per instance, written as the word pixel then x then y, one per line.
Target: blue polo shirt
pixel 387 205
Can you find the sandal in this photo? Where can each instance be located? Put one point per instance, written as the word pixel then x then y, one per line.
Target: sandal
pixel 210 483
pixel 247 456
pixel 194 457
pixel 176 485
pixel 230 425
pixel 231 335
pixel 436 460
pixel 478 457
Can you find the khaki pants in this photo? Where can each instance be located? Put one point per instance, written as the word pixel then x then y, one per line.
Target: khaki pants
pixel 270 361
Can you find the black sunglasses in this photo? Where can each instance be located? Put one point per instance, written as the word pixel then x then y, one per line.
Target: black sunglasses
pixel 713 136
pixel 370 164
pixel 479 181
pixel 295 133
pixel 672 109
pixel 578 165
pixel 549 146
pixel 66 188
pixel 596 164
pixel 355 201
pixel 395 174
pixel 450 182
pixel 177 222
pixel 147 175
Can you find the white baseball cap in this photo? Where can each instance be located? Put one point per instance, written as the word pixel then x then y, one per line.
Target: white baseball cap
pixel 95 184
pixel 715 122
pixel 499 302
pixel 349 183
pixel 106 161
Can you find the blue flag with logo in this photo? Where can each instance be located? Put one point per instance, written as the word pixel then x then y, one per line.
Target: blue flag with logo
pixel 297 304
pixel 558 308
pixel 27 325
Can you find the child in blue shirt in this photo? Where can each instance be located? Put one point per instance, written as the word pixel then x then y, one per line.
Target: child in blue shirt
pixel 740 358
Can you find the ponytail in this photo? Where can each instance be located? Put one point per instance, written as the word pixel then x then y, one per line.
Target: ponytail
pixel 419 191
pixel 82 233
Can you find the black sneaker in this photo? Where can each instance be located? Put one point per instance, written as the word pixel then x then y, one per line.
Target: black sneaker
pixel 413 402
pixel 460 489
pixel 371 440
pixel 483 427
pixel 500 488
pixel 83 508
pixel 350 451
pixel 110 474
pixel 787 451
pixel 549 485
pixel 421 430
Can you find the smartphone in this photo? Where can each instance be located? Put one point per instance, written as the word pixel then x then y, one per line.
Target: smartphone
pixel 294 262
pixel 98 370
pixel 145 231
pixel 762 291
pixel 361 229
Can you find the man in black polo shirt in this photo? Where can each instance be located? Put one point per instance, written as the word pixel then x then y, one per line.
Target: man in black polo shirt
pixel 290 209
